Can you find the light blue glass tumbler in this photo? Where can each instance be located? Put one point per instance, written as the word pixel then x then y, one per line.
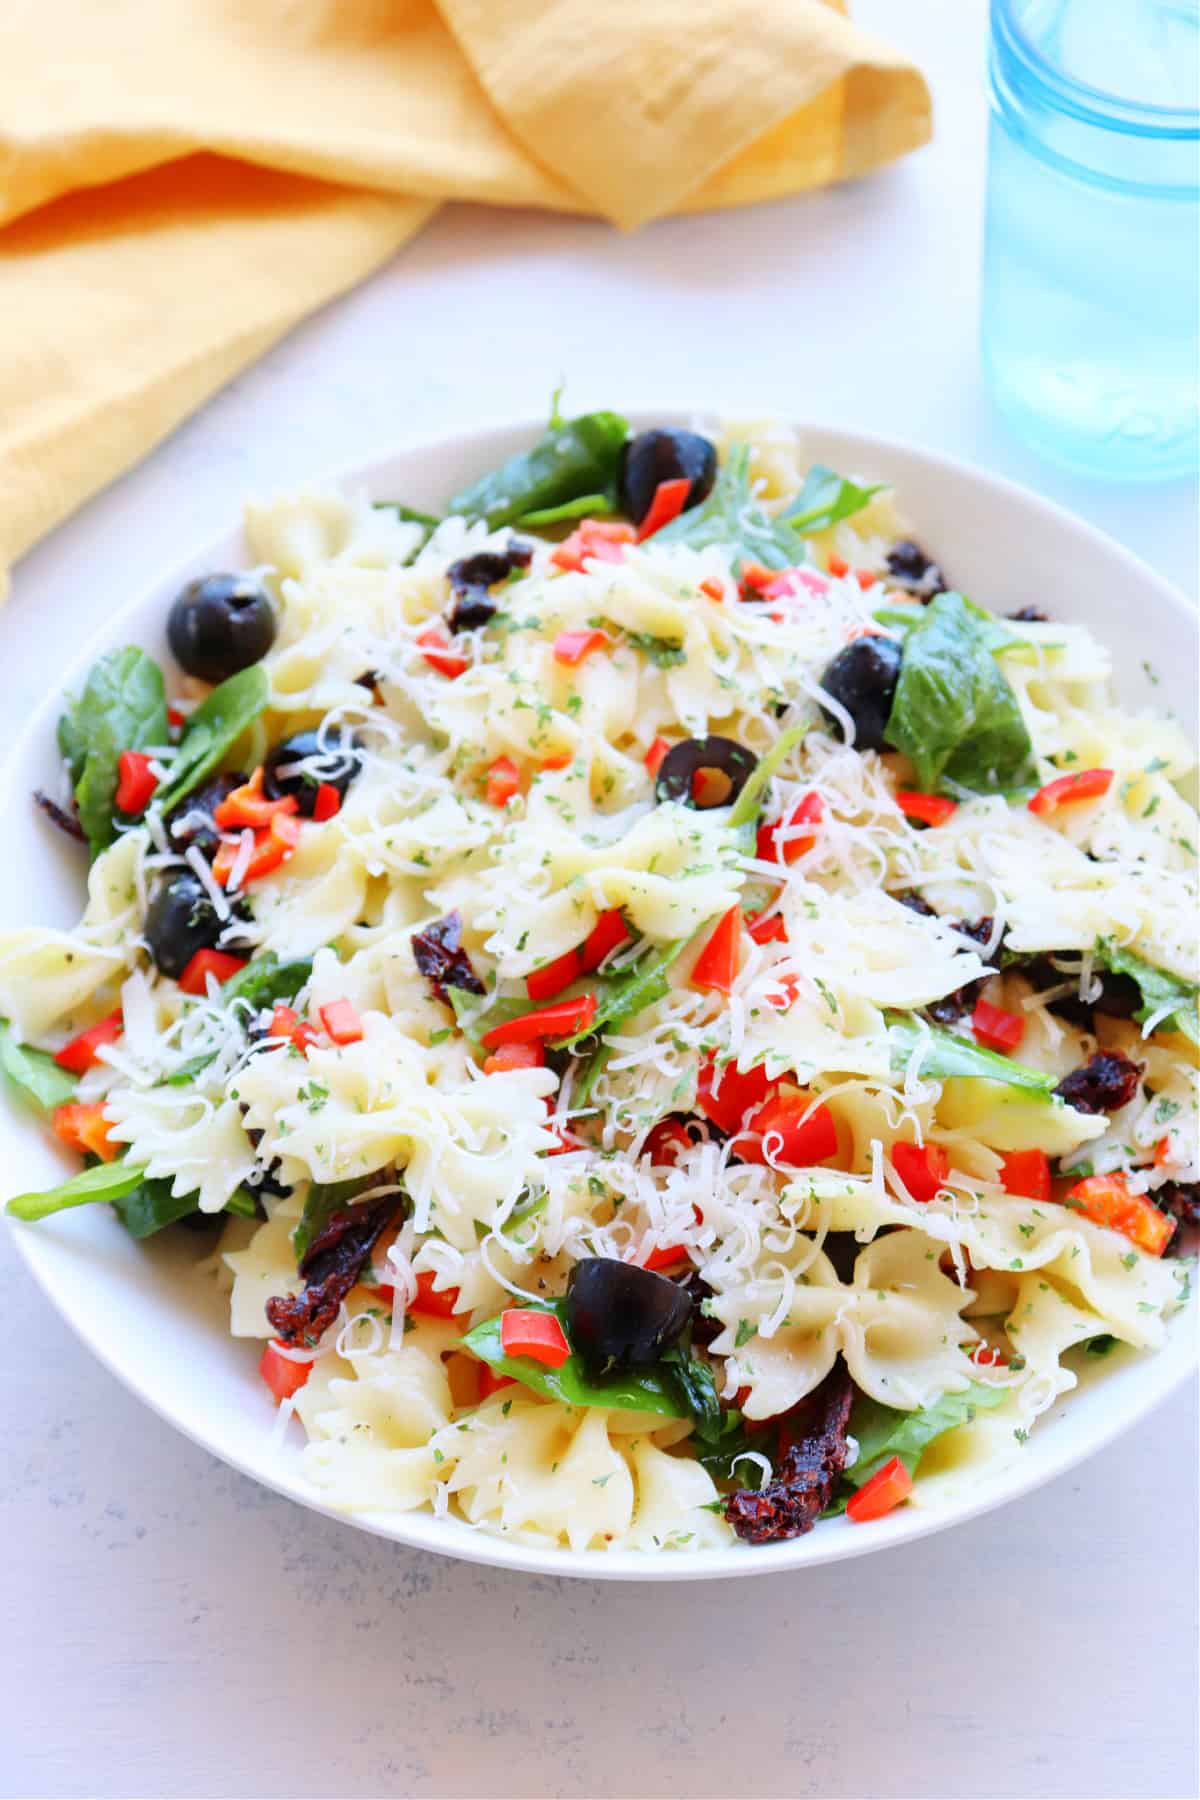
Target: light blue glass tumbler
pixel 1091 289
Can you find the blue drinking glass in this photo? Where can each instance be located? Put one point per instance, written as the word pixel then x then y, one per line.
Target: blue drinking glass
pixel 1091 282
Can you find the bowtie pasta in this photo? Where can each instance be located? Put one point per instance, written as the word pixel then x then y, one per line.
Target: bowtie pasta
pixel 686 1024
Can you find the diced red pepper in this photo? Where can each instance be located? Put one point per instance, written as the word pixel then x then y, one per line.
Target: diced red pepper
pixel 570 647
pixel 713 588
pixel 248 806
pixel 788 987
pixel 609 930
pixel 515 1056
pixel 926 809
pixel 435 1303
pixel 665 1142
pixel 490 1381
pixel 136 782
pixel 549 763
pixel 434 646
pixel 287 1024
pixel 665 1256
pixel 596 540
pixel 809 811
pixel 922 1168
pixel 84 1128
pixel 985 1357
pixel 327 802
pixel 283 1374
pixel 276 845
pixel 996 1028
pixel 524 1332
pixel 80 1053
pixel 756 576
pixel 341 1021
pixel 1106 1200
pixel 1162 1152
pixel 217 963
pixel 654 756
pixel 887 1488
pixel 1027 1173
pixel 866 578
pixel 767 928
pixel 564 1141
pixel 503 781
pixel 670 498
pixel 793 1138
pixel 837 566
pixel 176 719
pixel 716 966
pixel 726 1095
pixel 561 1019
pixel 1067 790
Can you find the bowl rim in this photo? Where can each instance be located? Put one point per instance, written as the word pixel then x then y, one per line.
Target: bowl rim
pixel 1160 1374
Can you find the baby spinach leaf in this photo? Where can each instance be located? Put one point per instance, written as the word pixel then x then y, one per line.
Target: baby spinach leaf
pixel 123 706
pixel 883 1431
pixel 634 1390
pixel 210 733
pixel 946 1057
pixel 104 1181
pixel 825 499
pixel 34 1074
pixel 736 1437
pixel 954 714
pixel 1158 989
pixel 698 1391
pixel 731 516
pixel 620 997
pixel 587 506
pixel 477 1014
pixel 144 1204
pixel 573 459
pixel 260 984
pixel 320 1203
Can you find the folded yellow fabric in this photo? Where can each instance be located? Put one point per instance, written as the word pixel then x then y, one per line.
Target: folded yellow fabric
pixel 182 180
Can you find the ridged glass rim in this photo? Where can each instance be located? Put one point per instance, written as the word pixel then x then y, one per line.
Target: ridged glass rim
pixel 1110 112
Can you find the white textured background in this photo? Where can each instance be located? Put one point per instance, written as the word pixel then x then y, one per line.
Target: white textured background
pixel 174 1631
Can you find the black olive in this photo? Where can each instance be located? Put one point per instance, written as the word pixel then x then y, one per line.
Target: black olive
pixel 341 759
pixel 472 578
pixel 655 456
pixel 220 624
pixel 191 822
pixel 863 678
pixel 721 756
pixel 1029 615
pixel 623 1317
pixel 914 571
pixel 180 920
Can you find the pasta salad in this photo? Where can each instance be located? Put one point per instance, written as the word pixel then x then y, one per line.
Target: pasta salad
pixel 685 1023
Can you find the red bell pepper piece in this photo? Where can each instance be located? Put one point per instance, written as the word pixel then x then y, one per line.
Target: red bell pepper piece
pixel 341 1021
pixel 434 646
pixel 287 1024
pixel 561 1019
pixel 249 806
pixel 217 963
pixel 670 498
pixel 1026 1172
pixel 1067 790
pixel 792 1138
pixel 84 1128
pixel 922 1168
pixel 926 809
pixel 996 1028
pixel 282 1374
pixel 435 1303
pixel 503 781
pixel 985 1357
pixel 665 1256
pixel 609 930
pixel 595 540
pixel 570 647
pixel 837 566
pixel 515 1056
pixel 665 1142
pixel 767 928
pixel 327 802
pixel 524 1332
pixel 757 577
pixel 489 1381
pixel 136 782
pixel 726 1095
pixel 716 966
pixel 80 1053
pixel 564 761
pixel 809 811
pixel 887 1488
pixel 654 756
pixel 1106 1200
pixel 276 845
pixel 713 588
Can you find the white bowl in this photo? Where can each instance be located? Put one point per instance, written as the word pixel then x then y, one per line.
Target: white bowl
pixel 162 1331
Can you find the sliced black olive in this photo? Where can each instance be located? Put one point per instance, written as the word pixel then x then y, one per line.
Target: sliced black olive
pixel 191 823
pixel 863 678
pixel 623 1317
pixel 340 760
pixel 728 764
pixel 912 569
pixel 1119 997
pixel 472 579
pixel 220 624
pixel 180 920
pixel 1029 615
pixel 655 456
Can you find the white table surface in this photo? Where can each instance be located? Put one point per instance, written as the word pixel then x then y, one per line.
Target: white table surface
pixel 173 1630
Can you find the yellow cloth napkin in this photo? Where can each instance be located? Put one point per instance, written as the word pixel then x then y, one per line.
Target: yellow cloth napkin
pixel 181 181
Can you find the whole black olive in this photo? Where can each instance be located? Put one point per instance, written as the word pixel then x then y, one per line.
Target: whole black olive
pixel 718 756
pixel 863 678
pixel 180 920
pixel 191 822
pixel 472 579
pixel 340 760
pixel 623 1317
pixel 655 456
pixel 220 624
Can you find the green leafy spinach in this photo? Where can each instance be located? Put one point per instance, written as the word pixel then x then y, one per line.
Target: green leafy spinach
pixel 123 706
pixel 210 733
pixel 33 1074
pixel 1158 989
pixel 575 459
pixel 946 1057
